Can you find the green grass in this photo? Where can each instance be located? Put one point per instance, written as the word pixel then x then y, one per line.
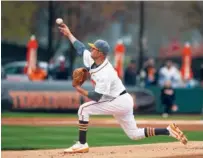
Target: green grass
pixel 36 114
pixel 67 115
pixel 29 137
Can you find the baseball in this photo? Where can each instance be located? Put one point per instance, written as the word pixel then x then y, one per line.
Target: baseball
pixel 59 21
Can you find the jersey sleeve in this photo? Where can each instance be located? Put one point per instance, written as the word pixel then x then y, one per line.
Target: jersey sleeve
pixel 87 59
pixel 103 85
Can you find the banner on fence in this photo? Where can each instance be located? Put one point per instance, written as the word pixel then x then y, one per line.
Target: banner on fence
pixel 61 96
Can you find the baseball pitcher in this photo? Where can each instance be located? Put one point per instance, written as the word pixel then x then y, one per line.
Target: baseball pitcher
pixel 109 96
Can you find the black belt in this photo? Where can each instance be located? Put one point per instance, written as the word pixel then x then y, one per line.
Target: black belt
pixel 123 92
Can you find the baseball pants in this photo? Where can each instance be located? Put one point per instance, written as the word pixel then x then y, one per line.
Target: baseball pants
pixel 122 110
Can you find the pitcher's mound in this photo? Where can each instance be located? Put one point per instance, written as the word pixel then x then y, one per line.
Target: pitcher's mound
pixel 166 150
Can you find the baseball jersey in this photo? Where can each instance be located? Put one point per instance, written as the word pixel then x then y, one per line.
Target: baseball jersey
pixel 104 76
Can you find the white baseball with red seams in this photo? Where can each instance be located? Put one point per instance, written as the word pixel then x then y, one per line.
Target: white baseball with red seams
pixel 59 21
pixel 109 84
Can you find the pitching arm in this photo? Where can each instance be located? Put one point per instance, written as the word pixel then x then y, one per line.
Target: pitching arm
pixel 79 46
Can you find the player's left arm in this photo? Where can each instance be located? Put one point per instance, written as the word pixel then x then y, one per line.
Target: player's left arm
pixel 90 94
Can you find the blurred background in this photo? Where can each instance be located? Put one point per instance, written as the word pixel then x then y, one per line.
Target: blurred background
pixel 151 43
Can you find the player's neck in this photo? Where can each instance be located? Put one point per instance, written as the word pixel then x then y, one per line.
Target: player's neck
pixel 99 61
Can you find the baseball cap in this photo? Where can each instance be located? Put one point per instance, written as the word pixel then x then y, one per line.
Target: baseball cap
pixel 101 45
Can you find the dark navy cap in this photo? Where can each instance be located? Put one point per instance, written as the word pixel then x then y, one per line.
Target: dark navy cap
pixel 101 45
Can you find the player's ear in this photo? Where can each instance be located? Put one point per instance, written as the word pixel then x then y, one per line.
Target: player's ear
pixel 104 55
pixel 101 54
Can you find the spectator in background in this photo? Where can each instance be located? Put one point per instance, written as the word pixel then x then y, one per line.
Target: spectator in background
pixel 59 68
pixel 130 74
pixel 170 73
pixel 168 98
pixel 37 73
pixel 150 73
pixel 62 72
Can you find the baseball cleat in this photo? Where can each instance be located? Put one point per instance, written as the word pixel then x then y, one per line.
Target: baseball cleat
pixel 78 148
pixel 177 133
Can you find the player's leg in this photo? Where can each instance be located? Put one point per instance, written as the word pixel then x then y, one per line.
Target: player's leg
pixel 128 123
pixel 85 110
pixel 91 108
pixel 129 126
pixel 81 145
pixel 126 119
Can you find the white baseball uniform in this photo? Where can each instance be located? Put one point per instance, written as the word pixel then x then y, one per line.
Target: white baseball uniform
pixel 109 84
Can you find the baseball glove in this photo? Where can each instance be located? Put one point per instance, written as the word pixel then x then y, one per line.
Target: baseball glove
pixel 79 76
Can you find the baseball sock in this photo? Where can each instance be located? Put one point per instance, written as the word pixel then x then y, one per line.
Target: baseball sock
pixel 155 131
pixel 82 131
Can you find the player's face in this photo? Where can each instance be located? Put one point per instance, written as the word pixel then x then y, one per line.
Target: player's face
pixel 95 53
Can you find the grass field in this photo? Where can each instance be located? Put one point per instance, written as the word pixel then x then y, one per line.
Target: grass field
pixel 64 115
pixel 30 137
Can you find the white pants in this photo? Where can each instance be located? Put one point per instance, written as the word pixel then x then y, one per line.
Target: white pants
pixel 121 108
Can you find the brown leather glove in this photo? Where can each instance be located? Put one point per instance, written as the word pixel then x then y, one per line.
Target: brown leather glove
pixel 80 75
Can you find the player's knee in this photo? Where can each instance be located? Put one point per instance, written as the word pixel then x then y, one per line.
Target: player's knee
pixel 136 137
pixel 131 136
pixel 79 111
pixel 83 110
pixel 137 134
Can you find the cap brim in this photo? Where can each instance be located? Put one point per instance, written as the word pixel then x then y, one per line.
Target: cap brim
pixel 92 45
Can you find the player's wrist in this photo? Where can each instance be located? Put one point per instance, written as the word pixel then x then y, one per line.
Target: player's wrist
pixel 81 90
pixel 71 38
pixel 69 35
pixel 76 86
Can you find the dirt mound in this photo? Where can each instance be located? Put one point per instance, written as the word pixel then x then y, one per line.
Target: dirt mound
pixel 161 150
